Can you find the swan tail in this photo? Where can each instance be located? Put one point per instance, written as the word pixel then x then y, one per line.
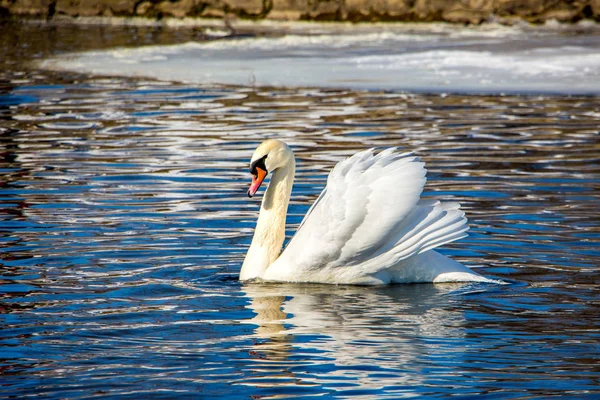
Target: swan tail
pixel 431 266
pixel 430 225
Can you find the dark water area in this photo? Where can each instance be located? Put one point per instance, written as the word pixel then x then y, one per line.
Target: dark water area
pixel 124 221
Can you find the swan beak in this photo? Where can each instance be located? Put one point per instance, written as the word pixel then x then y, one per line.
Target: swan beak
pixel 257 180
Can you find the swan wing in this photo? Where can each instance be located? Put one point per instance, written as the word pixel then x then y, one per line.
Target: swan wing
pixel 356 225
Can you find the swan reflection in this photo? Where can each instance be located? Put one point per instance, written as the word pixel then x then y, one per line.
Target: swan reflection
pixel 374 335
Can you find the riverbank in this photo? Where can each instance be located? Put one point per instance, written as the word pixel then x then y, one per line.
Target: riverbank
pixel 463 11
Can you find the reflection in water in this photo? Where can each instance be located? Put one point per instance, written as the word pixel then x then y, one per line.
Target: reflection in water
pixel 124 222
pixel 340 310
pixel 368 338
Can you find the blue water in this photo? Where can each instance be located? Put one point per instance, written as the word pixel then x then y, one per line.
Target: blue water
pixel 124 221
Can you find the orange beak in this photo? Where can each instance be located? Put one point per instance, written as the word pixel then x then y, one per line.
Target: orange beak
pixel 257 180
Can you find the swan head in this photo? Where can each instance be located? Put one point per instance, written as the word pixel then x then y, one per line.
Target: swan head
pixel 268 156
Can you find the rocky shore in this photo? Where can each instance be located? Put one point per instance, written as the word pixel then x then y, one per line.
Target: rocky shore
pixel 458 11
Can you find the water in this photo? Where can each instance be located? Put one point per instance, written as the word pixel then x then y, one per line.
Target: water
pixel 125 221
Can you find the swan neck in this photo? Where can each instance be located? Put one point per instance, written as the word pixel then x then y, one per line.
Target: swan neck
pixel 270 227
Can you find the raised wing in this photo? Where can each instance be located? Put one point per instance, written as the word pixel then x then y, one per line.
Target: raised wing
pixel 358 213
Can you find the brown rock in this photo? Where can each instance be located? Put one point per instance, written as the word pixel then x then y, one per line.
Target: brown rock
pixel 210 12
pixel 520 8
pixel 465 16
pixel 595 8
pixel 144 7
pixel 216 8
pixel 178 9
pixel 431 10
pixel 91 8
pixel 361 10
pixel 323 10
pixel 561 15
pixel 75 8
pixel 37 8
pixel 121 7
pixel 288 9
pixel 285 15
pixel 211 9
pixel 249 7
pixel 469 11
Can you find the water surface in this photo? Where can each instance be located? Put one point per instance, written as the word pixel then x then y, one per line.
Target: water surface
pixel 124 222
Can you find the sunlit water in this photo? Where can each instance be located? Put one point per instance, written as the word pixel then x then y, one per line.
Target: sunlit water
pixel 124 221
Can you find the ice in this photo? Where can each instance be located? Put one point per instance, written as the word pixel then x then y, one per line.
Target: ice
pixel 505 60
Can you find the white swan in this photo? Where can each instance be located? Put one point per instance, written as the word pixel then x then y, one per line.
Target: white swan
pixel 368 226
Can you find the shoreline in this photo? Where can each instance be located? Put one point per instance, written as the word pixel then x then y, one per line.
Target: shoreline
pixel 470 12
pixel 233 26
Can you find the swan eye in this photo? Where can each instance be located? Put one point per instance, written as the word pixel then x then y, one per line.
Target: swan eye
pixel 260 163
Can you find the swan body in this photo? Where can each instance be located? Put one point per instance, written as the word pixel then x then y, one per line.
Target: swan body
pixel 369 226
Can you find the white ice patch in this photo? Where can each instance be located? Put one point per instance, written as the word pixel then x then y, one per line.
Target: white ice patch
pixel 544 62
pixel 431 62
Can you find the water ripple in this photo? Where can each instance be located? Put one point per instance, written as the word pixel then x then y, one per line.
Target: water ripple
pixel 124 222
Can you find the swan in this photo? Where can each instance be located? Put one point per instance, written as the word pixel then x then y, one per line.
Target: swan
pixel 369 225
